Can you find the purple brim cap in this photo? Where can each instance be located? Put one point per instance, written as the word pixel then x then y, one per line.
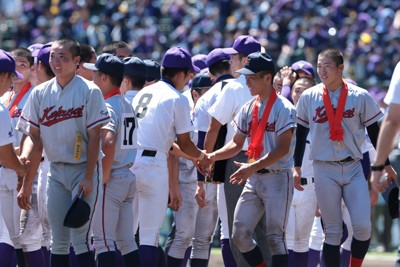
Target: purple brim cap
pixel 178 57
pixel 7 64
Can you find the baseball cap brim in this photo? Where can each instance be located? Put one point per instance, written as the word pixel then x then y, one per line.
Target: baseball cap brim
pixel 245 71
pixel 90 66
pixel 230 51
pixel 195 69
pixel 18 75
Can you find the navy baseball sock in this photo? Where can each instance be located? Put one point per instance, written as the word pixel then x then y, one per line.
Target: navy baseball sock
pixel 86 259
pixel 107 259
pixel 162 259
pixel 254 256
pixel 46 256
pixel 198 263
pixel 118 258
pixel 73 260
pixel 291 258
pixel 187 256
pixel 148 256
pixel 173 262
pixel 34 258
pixel 331 255
pixel 280 260
pixel 313 257
pixel 6 254
pixel 227 255
pixel 358 251
pixel 344 257
pixel 20 257
pixel 59 260
pixel 131 259
pixel 300 258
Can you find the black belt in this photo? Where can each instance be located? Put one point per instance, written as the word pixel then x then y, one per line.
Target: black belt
pixel 304 181
pixel 265 171
pixel 348 159
pixel 149 153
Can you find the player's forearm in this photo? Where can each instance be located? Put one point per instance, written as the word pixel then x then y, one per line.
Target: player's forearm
pixel 30 144
pixel 173 172
pixel 176 151
pixel 93 150
pixel 8 158
pixel 271 157
pixel 228 151
pixel 386 139
pixel 33 166
pixel 211 136
pixel 190 149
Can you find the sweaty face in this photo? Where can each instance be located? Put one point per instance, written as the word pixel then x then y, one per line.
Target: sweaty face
pixel 61 61
pixel 328 72
pixel 256 83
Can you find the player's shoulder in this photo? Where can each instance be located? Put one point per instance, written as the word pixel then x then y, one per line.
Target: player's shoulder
pixel 84 84
pixel 236 84
pixel 356 90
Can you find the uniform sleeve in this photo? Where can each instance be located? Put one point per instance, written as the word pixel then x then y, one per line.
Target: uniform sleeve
pixel 112 124
pixel 286 119
pixel 183 122
pixel 302 111
pixel 223 108
pixel 393 94
pixel 6 132
pixel 370 111
pixel 30 112
pixel 201 119
pixel 240 123
pixel 97 113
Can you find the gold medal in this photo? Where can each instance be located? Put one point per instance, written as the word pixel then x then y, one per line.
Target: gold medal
pixel 251 160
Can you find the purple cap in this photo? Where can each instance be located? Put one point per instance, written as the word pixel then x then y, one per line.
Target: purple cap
pixel 7 64
pixel 35 48
pixel 244 44
pixel 200 61
pixel 44 54
pixel 304 66
pixel 180 58
pixel 107 64
pixel 217 55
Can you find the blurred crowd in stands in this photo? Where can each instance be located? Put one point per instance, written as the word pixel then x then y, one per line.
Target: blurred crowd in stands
pixel 366 31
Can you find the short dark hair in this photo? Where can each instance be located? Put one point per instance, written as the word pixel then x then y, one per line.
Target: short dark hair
pixel 74 46
pixel 219 67
pixel 23 52
pixel 111 48
pixel 87 53
pixel 334 54
pixel 266 72
pixel 136 82
pixel 116 81
pixel 171 72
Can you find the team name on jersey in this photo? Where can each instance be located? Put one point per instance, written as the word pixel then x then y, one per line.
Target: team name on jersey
pixel 270 127
pixel 321 117
pixel 51 117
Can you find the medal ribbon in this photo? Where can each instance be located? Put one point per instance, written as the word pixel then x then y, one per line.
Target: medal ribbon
pixel 18 99
pixel 113 92
pixel 335 118
pixel 258 129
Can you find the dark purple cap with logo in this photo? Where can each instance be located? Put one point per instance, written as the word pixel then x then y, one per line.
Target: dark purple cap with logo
pixel 244 44
pixel 7 64
pixel 217 55
pixel 179 58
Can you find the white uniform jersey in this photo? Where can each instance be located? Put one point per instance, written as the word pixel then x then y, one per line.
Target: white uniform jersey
pixel 17 112
pixel 360 111
pixel 393 94
pixel 188 95
pixel 281 118
pixel 201 117
pixel 162 113
pixel 64 117
pixel 130 95
pixel 228 103
pixel 6 130
pixel 122 123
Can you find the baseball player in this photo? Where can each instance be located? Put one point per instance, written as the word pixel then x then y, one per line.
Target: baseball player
pixel 337 114
pixel 119 49
pixel 8 157
pixel 223 111
pixel 67 113
pixel 269 120
pixel 304 203
pixel 135 74
pixel 163 116
pixel 153 71
pixel 88 55
pixel 113 217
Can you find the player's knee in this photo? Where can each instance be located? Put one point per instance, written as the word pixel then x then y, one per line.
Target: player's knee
pixel 276 244
pixel 362 230
pixel 241 237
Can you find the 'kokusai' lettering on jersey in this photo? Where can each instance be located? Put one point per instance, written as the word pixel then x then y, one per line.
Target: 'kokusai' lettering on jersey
pixel 122 123
pixel 281 118
pixel 64 114
pixel 160 121
pixel 360 111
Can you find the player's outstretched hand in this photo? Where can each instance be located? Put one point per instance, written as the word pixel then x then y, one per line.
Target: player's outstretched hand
pixel 205 163
pixel 200 195
pixel 378 181
pixel 288 75
pixel 24 197
pixel 391 174
pixel 86 186
pixel 297 178
pixel 241 175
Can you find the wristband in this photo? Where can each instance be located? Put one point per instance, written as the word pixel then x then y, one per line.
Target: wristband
pixel 201 156
pixel 377 167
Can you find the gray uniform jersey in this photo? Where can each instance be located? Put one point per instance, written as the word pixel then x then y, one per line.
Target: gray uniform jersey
pixel 360 111
pixel 122 123
pixel 65 115
pixel 281 118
